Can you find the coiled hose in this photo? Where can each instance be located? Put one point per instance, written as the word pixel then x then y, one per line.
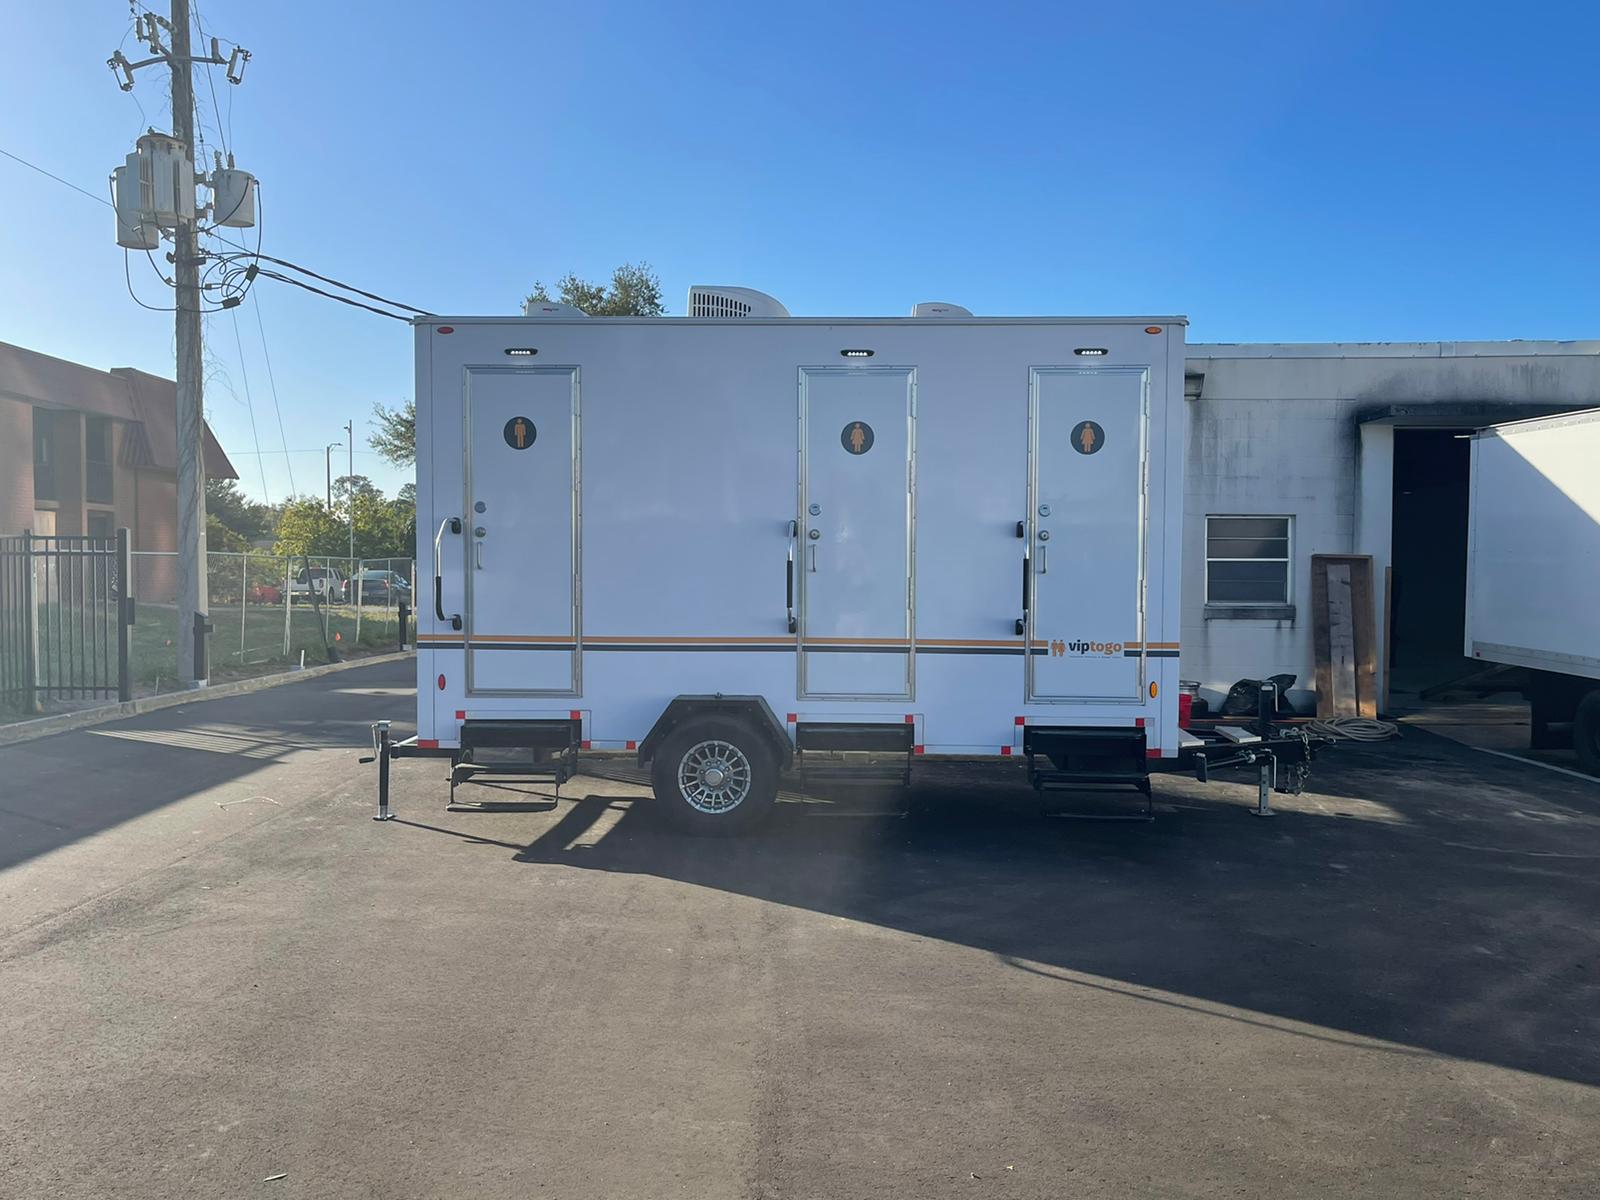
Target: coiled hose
pixel 1354 729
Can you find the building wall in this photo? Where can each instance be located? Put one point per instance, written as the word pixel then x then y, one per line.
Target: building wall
pixel 1290 430
pixel 16 467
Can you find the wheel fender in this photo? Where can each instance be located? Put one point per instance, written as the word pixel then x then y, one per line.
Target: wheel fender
pixel 753 709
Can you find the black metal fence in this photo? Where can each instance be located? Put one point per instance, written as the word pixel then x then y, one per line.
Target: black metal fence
pixel 64 616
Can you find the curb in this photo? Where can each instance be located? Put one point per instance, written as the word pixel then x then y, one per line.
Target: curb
pixel 27 731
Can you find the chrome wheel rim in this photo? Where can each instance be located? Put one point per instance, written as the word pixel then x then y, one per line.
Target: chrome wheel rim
pixel 714 777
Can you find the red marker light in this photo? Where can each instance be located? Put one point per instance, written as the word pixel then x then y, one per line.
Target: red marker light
pixel 447 329
pixel 441 683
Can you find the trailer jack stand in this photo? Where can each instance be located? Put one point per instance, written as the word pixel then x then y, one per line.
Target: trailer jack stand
pixel 380 755
pixel 1266 769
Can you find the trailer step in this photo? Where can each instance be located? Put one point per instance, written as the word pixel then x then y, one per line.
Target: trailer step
pixel 497 755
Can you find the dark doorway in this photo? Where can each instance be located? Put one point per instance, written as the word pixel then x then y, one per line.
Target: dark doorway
pixel 1432 470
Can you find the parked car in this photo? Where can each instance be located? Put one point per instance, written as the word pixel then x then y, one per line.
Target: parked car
pixel 323 583
pixel 386 588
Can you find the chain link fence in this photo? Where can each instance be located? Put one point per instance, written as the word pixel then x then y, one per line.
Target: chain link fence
pixel 269 613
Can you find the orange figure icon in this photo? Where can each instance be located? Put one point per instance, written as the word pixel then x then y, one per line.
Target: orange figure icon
pixel 858 438
pixel 1086 438
pixel 520 432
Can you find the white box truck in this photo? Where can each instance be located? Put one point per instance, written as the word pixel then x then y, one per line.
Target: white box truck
pixel 738 542
pixel 1533 569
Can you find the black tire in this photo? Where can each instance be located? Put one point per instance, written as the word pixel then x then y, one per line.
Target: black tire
pixel 1586 733
pixel 712 744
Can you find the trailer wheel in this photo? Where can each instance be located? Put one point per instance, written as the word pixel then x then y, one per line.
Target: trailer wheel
pixel 1586 733
pixel 715 775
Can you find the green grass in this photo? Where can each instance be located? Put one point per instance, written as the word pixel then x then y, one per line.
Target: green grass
pixel 154 649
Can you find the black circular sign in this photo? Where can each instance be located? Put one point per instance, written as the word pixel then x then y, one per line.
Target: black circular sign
pixel 856 437
pixel 520 433
pixel 1088 437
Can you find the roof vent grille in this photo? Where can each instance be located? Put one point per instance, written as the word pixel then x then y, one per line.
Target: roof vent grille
pixel 732 302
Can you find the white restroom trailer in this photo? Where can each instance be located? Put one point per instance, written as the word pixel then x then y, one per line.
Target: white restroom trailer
pixel 740 543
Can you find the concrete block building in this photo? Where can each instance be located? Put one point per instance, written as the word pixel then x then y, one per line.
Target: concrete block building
pixel 1295 450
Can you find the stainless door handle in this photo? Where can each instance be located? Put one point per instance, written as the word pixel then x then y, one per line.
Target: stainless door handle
pixel 813 549
pixel 477 554
pixel 1044 559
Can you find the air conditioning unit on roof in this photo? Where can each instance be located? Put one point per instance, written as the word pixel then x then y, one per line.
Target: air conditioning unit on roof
pixel 708 301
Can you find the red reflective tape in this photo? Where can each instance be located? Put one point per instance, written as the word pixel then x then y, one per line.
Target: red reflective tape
pixel 792 718
pixel 1022 720
pixel 576 714
pixel 918 749
pixel 1005 751
pixel 1152 754
pixel 584 746
pixel 461 714
pixel 1139 721
pixel 911 718
pixel 633 745
pixel 428 743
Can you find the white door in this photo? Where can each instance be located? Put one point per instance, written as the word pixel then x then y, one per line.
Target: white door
pixel 855 533
pixel 521 531
pixel 1086 517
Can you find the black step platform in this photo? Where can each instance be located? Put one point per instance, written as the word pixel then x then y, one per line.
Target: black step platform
pixel 854 754
pixel 1087 759
pixel 500 754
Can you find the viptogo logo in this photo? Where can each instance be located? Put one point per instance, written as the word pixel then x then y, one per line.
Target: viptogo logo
pixel 1085 649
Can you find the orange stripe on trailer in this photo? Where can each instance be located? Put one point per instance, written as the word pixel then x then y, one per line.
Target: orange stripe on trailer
pixel 960 642
pixel 611 639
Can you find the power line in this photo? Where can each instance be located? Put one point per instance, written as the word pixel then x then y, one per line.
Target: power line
pixel 58 179
pixel 283 438
pixel 249 404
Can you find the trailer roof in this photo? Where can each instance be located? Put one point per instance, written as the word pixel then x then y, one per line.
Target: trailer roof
pixel 511 319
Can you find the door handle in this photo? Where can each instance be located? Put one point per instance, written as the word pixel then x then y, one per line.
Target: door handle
pixel 812 536
pixel 1027 569
pixel 454 525
pixel 789 578
pixel 1044 560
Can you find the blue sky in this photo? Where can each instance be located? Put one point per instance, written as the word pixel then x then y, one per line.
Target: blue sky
pixel 1338 171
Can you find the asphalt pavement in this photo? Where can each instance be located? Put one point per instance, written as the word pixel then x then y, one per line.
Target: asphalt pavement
pixel 219 978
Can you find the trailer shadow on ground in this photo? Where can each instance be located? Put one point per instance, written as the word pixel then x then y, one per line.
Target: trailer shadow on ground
pixel 1419 894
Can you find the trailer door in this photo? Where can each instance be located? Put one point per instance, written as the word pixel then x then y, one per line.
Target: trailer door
pixel 855 532
pixel 1087 520
pixel 521 540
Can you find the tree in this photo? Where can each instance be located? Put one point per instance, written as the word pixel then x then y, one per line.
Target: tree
pixel 359 484
pixel 635 292
pixel 237 512
pixel 307 527
pixel 396 436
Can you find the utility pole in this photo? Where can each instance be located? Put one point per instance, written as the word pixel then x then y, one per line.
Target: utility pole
pixel 193 593
pixel 154 191
pixel 350 486
pixel 327 469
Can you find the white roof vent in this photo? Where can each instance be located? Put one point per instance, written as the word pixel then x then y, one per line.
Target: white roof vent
pixel 938 308
pixel 551 308
pixel 707 301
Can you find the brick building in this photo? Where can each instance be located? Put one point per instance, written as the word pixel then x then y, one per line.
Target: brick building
pixel 84 451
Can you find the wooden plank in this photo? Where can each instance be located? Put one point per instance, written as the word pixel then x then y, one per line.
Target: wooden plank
pixel 1343 635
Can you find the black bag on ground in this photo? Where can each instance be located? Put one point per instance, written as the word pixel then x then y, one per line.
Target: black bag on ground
pixel 1244 697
